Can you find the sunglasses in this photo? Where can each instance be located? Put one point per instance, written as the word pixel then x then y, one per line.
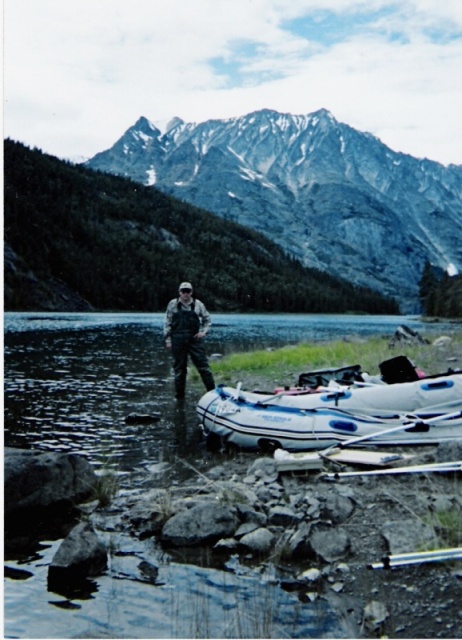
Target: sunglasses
pixel 185 290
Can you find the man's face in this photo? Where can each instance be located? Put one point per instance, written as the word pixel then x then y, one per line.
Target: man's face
pixel 185 295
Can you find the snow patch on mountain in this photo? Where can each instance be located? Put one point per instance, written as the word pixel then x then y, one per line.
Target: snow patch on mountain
pixel 151 173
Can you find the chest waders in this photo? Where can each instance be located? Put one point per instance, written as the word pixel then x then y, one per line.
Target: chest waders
pixel 185 325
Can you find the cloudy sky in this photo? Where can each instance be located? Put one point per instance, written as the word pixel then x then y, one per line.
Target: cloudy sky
pixel 78 73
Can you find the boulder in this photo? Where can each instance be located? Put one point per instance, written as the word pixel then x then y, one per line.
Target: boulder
pixel 299 542
pixel 337 508
pixel 260 541
pixel 149 571
pixel 247 514
pixel 280 515
pixel 203 524
pixel 36 479
pixel 148 515
pixel 329 543
pixel 406 536
pixel 406 335
pixel 81 552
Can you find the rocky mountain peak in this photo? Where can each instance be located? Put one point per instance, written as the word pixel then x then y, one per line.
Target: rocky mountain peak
pixel 333 197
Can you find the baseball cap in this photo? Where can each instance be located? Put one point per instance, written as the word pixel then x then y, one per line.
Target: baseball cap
pixel 185 285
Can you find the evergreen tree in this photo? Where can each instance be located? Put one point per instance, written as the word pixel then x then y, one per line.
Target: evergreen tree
pixel 440 294
pixel 427 289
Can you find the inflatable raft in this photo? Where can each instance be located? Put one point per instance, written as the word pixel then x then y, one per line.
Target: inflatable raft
pixel 428 411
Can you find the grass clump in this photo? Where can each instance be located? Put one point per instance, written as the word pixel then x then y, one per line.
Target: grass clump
pixel 448 525
pixel 107 487
pixel 283 366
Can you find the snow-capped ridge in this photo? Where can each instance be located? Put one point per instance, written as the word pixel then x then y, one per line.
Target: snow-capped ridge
pixel 333 197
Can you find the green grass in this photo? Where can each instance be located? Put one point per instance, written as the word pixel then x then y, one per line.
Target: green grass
pixel 448 525
pixel 282 366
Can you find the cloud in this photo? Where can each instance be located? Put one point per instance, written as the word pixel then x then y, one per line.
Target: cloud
pixel 79 73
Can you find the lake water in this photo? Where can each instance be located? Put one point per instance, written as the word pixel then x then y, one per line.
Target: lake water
pixel 70 380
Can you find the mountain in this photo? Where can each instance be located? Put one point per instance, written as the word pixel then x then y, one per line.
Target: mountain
pixel 334 198
pixel 80 240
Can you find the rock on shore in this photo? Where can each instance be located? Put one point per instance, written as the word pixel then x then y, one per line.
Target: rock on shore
pixel 41 479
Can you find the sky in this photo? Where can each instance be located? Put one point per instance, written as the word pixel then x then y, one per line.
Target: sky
pixel 79 73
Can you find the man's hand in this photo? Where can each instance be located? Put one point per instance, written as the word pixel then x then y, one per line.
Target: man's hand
pixel 200 335
pixel 168 343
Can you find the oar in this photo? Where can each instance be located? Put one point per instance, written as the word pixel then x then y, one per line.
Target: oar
pixel 422 468
pixel 280 394
pixel 314 392
pixel 401 427
pixel 403 559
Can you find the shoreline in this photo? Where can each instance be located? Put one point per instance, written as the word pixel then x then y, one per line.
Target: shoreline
pixel 418 601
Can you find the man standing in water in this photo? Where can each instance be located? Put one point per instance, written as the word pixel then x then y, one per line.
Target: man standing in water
pixel 186 323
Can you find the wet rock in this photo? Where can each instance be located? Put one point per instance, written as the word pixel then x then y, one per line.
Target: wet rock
pixel 329 543
pixel 81 552
pixel 38 479
pixel 406 535
pixel 148 571
pixel 137 418
pixel 261 540
pixel 203 524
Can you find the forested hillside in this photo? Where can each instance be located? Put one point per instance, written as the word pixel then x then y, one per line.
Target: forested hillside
pixel 441 294
pixel 78 239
